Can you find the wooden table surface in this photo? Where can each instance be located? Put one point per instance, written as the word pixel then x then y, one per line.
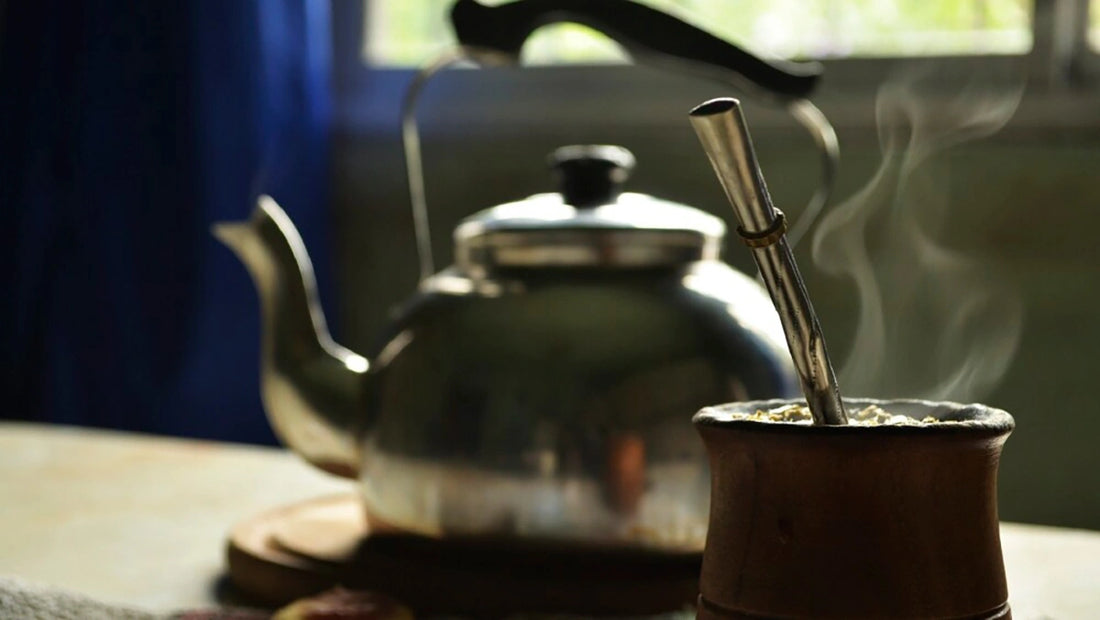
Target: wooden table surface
pixel 142 520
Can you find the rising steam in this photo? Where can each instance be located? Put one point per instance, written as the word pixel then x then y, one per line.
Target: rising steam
pixel 934 322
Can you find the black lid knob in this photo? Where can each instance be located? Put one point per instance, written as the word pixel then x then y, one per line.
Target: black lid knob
pixel 591 175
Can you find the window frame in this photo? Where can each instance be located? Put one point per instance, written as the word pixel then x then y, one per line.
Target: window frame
pixel 1062 81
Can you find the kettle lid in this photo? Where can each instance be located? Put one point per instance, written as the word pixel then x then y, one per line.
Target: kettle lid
pixel 590 222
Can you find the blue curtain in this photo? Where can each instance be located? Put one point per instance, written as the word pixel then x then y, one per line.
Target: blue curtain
pixel 127 129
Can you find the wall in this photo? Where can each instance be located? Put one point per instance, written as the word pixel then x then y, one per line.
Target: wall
pixel 1025 200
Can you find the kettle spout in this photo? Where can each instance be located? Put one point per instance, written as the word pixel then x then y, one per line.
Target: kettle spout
pixel 311 387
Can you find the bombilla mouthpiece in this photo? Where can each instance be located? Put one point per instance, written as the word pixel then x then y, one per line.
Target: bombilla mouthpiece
pixel 724 134
pixel 725 137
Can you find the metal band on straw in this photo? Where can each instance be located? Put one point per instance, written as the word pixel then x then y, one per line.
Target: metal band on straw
pixel 766 237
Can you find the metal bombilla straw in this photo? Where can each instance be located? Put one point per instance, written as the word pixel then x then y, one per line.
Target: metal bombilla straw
pixel 725 137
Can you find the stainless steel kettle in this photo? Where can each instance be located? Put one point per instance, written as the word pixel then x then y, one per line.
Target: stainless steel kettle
pixel 543 385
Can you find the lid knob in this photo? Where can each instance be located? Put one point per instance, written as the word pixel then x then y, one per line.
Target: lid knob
pixel 591 175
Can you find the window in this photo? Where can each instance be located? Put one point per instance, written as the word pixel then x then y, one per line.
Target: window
pixel 379 43
pixel 404 34
pixel 1094 25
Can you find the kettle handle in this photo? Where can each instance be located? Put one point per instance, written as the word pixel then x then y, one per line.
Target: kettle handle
pixel 494 36
pixel 648 35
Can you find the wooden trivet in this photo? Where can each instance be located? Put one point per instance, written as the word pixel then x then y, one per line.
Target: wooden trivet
pixel 305 548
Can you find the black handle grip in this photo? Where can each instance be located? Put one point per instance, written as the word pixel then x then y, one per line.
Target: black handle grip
pixel 649 35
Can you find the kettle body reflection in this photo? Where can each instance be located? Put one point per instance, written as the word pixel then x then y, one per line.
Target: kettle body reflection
pixel 543 385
